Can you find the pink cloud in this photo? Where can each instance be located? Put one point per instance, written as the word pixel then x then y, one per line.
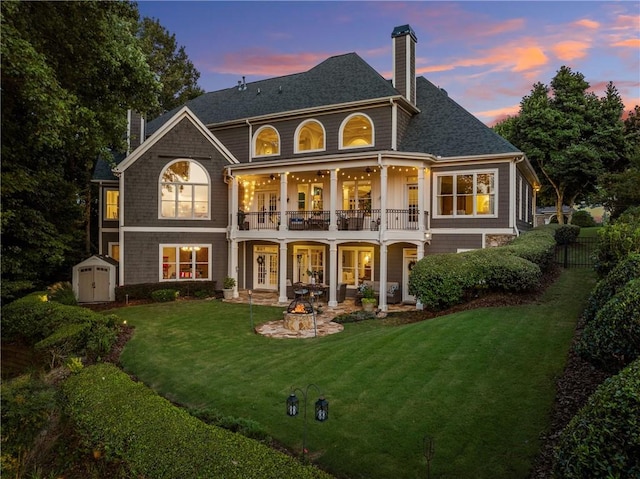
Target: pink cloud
pixel 631 42
pixel 570 50
pixel 586 23
pixel 262 62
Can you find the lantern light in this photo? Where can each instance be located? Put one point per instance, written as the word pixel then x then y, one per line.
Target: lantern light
pixel 322 409
pixel 292 405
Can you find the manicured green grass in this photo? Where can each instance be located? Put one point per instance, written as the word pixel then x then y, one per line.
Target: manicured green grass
pixel 480 382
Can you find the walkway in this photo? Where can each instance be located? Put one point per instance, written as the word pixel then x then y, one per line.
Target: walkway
pixel 325 325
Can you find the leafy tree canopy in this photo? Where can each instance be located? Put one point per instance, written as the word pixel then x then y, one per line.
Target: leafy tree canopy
pixel 174 70
pixel 70 70
pixel 571 136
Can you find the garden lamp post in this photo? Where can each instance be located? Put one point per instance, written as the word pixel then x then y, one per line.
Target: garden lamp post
pixel 321 413
pixel 251 308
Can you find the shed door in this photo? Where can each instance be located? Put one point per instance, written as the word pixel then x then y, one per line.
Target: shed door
pixel 93 284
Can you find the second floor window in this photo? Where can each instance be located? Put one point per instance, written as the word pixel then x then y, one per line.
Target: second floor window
pixel 184 191
pixel 112 208
pixel 309 137
pixel 466 194
pixel 266 142
pixel 356 131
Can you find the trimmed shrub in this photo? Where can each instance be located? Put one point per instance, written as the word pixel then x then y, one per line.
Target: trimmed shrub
pixel 583 219
pixel 603 439
pixel 537 246
pixel 27 404
pixel 164 295
pixel 624 272
pixel 246 427
pixel 617 241
pixel 612 339
pixel 128 422
pixel 62 330
pixel 444 280
pixel 567 234
pixel 185 288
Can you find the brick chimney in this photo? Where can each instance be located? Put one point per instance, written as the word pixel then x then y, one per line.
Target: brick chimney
pixel 404 61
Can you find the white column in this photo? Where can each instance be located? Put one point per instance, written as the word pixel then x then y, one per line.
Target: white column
pixel 383 277
pixel 283 203
pixel 383 197
pixel 233 264
pixel 333 201
pixel 333 274
pixel 419 256
pixel 233 204
pixel 283 272
pixel 421 202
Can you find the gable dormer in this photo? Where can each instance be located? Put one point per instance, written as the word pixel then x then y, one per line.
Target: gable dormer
pixel 404 61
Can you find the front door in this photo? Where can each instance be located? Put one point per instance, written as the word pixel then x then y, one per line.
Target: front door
pixel 409 259
pixel 265 267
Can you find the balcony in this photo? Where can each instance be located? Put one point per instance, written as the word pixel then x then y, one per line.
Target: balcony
pixel 320 220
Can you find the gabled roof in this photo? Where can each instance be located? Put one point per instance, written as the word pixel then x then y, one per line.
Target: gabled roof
pixel 337 80
pixel 183 113
pixel 444 128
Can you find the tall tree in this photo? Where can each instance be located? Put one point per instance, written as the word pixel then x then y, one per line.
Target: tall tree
pixel 174 70
pixel 620 187
pixel 70 70
pixel 570 135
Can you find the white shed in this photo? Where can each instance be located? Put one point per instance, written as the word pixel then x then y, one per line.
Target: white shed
pixel 95 279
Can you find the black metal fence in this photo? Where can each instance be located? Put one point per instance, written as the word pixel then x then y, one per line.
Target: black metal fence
pixel 580 254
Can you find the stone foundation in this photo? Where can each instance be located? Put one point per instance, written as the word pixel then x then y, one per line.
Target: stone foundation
pixel 298 321
pixel 493 241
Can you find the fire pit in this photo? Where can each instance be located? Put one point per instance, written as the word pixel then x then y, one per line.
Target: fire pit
pixel 299 315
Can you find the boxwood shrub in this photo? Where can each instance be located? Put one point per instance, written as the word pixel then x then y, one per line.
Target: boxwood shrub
pixel 612 339
pixel 443 280
pixel 126 421
pixel 164 295
pixel 185 288
pixel 624 272
pixel 537 246
pixel 57 328
pixel 567 234
pixel 617 241
pixel 583 219
pixel 603 439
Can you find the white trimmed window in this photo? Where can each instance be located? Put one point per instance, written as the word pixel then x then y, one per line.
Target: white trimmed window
pixel 184 191
pixel 185 262
pixel 114 251
pixel 467 194
pixel 355 265
pixel 111 204
pixel 309 136
pixel 356 131
pixel 266 142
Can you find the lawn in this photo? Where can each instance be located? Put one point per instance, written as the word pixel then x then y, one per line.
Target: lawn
pixel 480 382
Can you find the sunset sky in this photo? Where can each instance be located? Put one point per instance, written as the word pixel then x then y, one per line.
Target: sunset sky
pixel 487 55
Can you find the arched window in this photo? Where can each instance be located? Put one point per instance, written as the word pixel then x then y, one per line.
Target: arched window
pixel 184 191
pixel 266 142
pixel 309 137
pixel 356 131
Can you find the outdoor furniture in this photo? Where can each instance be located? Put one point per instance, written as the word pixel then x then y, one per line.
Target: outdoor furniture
pixel 394 291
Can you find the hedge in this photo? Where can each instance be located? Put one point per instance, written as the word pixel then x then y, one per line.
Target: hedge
pixel 583 219
pixel 567 234
pixel 624 272
pixel 603 439
pixel 443 280
pixel 617 241
pixel 184 288
pixel 537 246
pixel 126 421
pixel 59 329
pixel 612 339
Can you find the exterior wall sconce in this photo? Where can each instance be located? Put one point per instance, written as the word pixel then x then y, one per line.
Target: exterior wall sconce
pixel 321 410
pixel 427 236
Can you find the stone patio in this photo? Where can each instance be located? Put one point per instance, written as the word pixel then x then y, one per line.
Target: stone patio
pixel 324 323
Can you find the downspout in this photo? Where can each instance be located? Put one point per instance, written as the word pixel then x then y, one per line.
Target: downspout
pixel 515 209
